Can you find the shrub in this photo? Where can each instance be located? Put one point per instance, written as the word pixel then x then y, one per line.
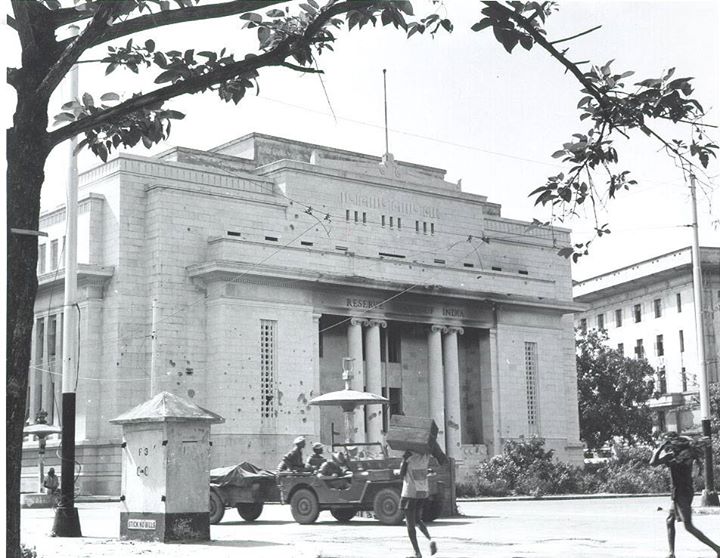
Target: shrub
pixel 27 552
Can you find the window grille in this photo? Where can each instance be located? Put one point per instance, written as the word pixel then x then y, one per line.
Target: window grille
pixel 657 304
pixel 618 317
pixel 637 309
pixel 268 369
pixel 531 385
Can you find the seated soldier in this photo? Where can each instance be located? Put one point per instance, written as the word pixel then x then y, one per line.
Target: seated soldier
pixel 316 459
pixel 293 460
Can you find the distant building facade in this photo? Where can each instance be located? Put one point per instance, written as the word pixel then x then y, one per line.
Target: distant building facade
pixel 269 261
pixel 648 311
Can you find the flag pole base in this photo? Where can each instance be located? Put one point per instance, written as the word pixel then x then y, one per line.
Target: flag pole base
pixel 67 523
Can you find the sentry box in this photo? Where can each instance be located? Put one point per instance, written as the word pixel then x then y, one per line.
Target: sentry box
pixel 166 470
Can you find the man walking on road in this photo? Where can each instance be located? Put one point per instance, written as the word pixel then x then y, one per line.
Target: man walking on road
pixel 414 473
pixel 679 453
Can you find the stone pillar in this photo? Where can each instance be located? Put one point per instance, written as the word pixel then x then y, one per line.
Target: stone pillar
pixel 374 378
pixel 47 366
pixel 453 426
pixel 496 399
pixel 436 385
pixel 33 377
pixel 316 371
pixel 355 351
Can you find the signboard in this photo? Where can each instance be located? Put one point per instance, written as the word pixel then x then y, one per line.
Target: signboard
pixel 146 524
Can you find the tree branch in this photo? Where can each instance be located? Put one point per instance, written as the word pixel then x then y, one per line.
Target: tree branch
pixel 74 48
pixel 12 24
pixel 275 57
pixel 183 15
pixel 302 69
pixel 24 19
pixel 576 36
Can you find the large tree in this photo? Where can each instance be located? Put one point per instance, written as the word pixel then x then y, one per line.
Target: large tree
pixel 289 35
pixel 613 393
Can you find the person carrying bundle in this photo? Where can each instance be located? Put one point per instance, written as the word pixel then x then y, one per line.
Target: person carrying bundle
pixel 679 453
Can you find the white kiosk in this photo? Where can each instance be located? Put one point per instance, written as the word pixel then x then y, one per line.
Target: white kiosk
pixel 166 470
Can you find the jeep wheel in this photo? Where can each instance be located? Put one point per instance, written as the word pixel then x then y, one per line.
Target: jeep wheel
pixel 304 506
pixel 250 512
pixel 343 515
pixel 386 507
pixel 217 508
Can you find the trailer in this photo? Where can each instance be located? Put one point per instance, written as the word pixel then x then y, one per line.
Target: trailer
pixel 243 487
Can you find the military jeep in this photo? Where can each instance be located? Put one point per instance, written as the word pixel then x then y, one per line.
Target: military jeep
pixel 370 484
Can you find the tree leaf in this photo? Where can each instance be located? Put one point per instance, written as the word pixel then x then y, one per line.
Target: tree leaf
pixel 110 97
pixel 482 24
pixel 88 100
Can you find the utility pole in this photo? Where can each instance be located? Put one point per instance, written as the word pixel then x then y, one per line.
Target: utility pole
pixel 67 521
pixel 387 143
pixel 709 496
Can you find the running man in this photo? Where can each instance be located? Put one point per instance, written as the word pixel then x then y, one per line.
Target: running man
pixel 679 453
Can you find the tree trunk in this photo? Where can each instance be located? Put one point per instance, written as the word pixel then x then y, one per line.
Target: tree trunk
pixel 26 155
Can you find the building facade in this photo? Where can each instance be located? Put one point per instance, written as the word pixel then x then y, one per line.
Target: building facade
pixel 241 277
pixel 648 311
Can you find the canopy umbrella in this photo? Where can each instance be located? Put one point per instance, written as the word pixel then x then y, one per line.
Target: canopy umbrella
pixel 349 399
pixel 41 430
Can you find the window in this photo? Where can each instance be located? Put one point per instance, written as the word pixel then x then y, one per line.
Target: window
pixel 417 226
pixel 683 375
pixel 42 259
pixel 682 341
pixel 657 305
pixel 39 340
pixel 621 349
pixel 659 348
pixel 424 227
pixel 268 369
pixel 52 338
pixel 601 321
pixel 678 302
pixel 531 390
pixel 54 254
pixel 347 214
pixel 383 221
pixel 639 349
pixel 432 228
pixel 364 217
pixel 399 223
pixel 393 345
pixel 391 221
pixel 618 317
pixel 662 380
pixel 637 310
pixel 356 216
pixel 583 325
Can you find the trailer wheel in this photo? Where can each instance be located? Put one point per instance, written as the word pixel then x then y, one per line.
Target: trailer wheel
pixel 217 508
pixel 387 507
pixel 304 506
pixel 343 515
pixel 250 512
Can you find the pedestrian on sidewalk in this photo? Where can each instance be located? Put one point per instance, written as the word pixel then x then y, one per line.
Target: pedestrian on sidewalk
pixel 51 482
pixel 414 473
pixel 679 453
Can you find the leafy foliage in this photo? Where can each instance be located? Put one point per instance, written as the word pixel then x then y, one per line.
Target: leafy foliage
pixel 613 392
pixel 613 107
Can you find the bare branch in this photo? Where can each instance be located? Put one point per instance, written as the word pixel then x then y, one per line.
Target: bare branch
pixel 11 22
pixel 576 36
pixel 183 15
pixel 302 69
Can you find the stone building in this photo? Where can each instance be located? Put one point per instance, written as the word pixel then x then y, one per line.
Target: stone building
pixel 648 311
pixel 268 261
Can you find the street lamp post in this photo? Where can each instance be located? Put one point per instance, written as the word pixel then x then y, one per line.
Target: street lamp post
pixel 709 496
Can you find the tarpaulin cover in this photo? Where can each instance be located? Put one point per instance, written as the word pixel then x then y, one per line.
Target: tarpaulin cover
pixel 243 474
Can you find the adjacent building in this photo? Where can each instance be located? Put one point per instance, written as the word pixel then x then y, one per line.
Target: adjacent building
pixel 648 311
pixel 241 277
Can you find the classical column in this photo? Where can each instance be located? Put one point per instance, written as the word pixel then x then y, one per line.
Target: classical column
pixel 355 351
pixel 47 379
pixel 59 324
pixel 373 371
pixel 436 385
pixel 33 376
pixel 316 371
pixel 453 426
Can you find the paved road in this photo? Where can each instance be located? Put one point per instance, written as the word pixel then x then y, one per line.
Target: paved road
pixel 627 527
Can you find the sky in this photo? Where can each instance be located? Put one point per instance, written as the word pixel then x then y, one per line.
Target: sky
pixel 461 103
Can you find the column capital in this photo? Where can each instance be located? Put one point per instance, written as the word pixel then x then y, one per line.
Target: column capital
pixel 357 321
pixel 454 329
pixel 375 322
pixel 436 328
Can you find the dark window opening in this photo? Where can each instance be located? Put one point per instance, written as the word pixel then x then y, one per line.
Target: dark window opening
pixel 364 217
pixel 383 220
pixel 341 248
pixel 357 216
pixel 306 243
pixel 639 349
pixel 391 221
pixel 682 341
pixel 583 325
pixel 662 380
pixel 621 349
pixel 659 346
pixel 417 226
pixel 437 261
pixel 424 227
pixel 678 302
pixel 432 228
pixel 495 268
pixel 347 214
pixel 271 238
pixel 468 265
pixel 637 310
pixel 618 317
pixel 399 223
pixel 657 305
pixel 522 272
pixel 234 233
pixel 601 321
pixel 395 407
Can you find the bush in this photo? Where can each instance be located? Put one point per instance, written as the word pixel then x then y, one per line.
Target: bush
pixel 27 552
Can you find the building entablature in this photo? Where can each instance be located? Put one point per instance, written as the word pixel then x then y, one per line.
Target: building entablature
pixel 215 276
pixel 91 281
